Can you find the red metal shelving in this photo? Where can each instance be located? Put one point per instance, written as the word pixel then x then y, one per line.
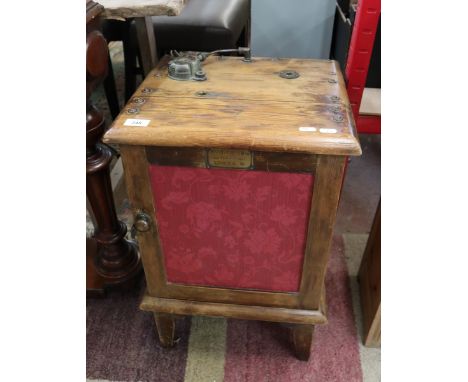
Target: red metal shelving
pixel 357 65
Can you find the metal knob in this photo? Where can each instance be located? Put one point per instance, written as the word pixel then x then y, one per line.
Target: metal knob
pixel 142 222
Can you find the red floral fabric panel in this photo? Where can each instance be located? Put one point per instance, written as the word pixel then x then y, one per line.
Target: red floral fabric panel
pixel 232 228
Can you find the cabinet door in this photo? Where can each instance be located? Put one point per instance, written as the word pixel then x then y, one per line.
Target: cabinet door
pixel 230 226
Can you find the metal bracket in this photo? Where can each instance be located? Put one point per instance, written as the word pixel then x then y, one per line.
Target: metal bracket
pixel 188 67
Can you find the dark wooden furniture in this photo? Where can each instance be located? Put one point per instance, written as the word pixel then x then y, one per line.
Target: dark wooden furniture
pixel 235 182
pixel 201 26
pixel 111 260
pixel 369 284
pixel 141 11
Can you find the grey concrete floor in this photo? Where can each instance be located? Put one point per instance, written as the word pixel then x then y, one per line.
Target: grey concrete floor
pixel 359 199
pixel 361 190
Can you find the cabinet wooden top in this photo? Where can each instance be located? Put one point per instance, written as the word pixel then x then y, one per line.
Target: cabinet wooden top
pixel 244 106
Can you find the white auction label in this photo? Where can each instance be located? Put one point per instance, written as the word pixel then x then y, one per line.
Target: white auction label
pixel 137 122
pixel 307 128
pixel 328 131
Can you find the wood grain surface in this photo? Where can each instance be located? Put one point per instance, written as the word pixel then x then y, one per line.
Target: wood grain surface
pixel 329 176
pixel 369 284
pixel 302 340
pixel 165 324
pixel 370 103
pixel 139 8
pixel 244 312
pixel 260 161
pixel 244 106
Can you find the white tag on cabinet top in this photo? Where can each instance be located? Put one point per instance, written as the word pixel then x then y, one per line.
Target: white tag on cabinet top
pixel 137 122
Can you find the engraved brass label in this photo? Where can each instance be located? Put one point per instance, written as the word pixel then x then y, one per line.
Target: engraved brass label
pixel 229 158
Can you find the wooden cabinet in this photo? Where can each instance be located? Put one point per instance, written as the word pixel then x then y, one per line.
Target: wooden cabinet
pixel 369 285
pixel 235 182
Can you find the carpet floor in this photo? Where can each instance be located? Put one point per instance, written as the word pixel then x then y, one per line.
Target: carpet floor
pixel 122 344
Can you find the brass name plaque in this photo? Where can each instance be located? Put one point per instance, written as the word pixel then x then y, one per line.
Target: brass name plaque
pixel 229 158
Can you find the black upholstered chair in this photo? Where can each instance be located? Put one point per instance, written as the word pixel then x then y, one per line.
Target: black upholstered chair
pixel 203 25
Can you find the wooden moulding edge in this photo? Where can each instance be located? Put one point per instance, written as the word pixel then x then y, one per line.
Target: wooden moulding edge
pixel 244 312
pixel 349 146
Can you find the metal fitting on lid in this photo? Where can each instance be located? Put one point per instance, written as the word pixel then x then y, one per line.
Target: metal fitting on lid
pixel 289 74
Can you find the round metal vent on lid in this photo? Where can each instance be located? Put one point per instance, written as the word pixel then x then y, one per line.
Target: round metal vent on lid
pixel 289 74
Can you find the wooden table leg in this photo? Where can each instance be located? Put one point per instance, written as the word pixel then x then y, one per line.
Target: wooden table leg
pixel 165 324
pixel 302 340
pixel 147 43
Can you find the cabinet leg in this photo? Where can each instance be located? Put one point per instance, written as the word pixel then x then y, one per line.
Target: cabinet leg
pixel 302 340
pixel 165 325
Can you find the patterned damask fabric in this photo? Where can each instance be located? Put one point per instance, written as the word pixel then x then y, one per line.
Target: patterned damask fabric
pixel 232 228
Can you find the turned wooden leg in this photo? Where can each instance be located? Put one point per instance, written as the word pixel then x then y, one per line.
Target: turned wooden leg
pixel 165 324
pixel 302 340
pixel 116 261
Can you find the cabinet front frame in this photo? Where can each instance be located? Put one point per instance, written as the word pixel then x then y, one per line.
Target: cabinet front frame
pixel 328 173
